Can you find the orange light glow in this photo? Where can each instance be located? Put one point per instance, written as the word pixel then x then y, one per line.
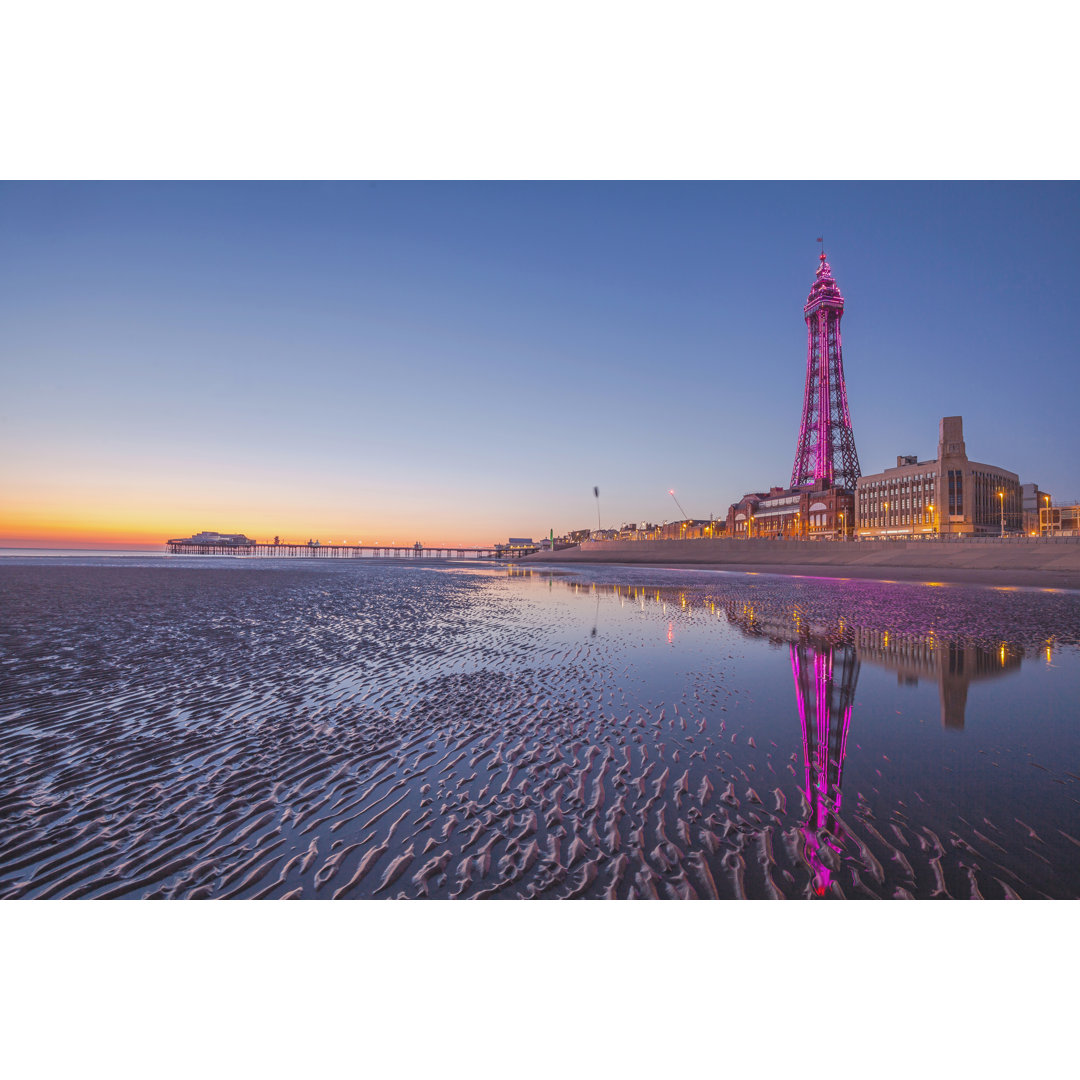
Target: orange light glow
pixel 148 522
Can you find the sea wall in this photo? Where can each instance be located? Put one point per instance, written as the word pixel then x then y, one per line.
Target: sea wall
pixel 1028 560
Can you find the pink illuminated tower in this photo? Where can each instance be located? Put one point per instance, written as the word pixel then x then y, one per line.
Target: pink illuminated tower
pixel 826 450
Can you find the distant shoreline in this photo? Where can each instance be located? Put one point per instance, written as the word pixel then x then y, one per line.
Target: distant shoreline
pixel 1016 564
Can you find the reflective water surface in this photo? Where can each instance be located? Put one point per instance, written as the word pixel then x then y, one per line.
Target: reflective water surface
pixel 269 730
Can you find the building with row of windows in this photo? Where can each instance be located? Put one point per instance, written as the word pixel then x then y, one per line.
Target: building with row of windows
pixel 949 494
pixel 817 511
pixel 1059 520
pixel 946 495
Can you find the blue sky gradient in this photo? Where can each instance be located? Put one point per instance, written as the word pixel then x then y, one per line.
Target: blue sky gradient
pixel 463 362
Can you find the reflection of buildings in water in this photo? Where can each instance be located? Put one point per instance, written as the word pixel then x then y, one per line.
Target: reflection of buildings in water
pixel 825 668
pixel 825 665
pixel 912 656
pixel 954 667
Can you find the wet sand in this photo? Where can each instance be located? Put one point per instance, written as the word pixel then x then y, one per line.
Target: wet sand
pixel 329 734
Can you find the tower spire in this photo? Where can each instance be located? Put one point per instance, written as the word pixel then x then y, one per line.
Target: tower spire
pixel 826 448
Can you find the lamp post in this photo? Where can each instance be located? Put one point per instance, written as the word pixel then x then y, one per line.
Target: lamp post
pixel 1049 530
pixel 843 524
pixel 1001 496
pixel 886 519
pixel 751 525
pixel 930 507
pixel 798 525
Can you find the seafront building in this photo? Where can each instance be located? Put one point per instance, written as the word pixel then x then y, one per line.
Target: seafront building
pixel 1033 501
pixel 690 529
pixel 636 530
pixel 687 529
pixel 949 494
pixel 1059 520
pixel 515 545
pixel 819 512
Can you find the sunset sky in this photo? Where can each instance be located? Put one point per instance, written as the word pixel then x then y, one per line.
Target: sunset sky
pixel 463 362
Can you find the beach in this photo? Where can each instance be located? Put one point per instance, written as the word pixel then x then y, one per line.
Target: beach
pixel 378 731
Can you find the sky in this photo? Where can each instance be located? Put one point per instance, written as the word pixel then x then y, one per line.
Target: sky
pixel 458 363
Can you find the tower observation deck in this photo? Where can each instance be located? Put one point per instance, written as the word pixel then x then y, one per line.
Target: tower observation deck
pixel 826 448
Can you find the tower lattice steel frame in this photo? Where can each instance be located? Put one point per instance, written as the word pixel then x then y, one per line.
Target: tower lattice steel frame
pixel 826 449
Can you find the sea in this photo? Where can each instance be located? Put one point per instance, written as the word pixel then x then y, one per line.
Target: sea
pixel 191 727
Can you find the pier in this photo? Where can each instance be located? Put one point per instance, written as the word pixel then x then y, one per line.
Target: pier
pixel 350 551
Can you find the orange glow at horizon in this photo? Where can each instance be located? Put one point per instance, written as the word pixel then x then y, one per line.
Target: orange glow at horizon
pixel 146 529
pixel 74 536
pixel 143 499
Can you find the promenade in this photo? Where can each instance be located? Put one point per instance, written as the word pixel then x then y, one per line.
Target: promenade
pixel 1021 561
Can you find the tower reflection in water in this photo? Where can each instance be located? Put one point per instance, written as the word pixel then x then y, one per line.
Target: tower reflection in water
pixel 825 666
pixel 825 679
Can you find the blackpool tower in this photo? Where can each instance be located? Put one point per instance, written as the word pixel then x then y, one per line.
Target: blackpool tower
pixel 826 450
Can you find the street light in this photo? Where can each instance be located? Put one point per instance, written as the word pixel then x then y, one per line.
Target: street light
pixel 843 530
pixel 1049 529
pixel 930 507
pixel 1001 496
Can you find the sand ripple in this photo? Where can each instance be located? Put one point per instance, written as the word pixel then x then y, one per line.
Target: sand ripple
pixel 169 733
